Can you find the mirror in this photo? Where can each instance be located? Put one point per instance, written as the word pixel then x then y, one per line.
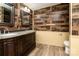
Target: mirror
pixel 6 12
pixel 25 14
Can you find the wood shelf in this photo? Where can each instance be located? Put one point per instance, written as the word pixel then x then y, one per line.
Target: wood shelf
pixel 75 19
pixel 52 17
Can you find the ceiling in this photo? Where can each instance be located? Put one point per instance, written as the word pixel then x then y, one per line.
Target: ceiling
pixel 36 6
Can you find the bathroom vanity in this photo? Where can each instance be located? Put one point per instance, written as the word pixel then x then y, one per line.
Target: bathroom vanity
pixel 17 43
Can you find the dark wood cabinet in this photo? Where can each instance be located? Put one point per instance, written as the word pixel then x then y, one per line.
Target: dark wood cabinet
pixel 18 46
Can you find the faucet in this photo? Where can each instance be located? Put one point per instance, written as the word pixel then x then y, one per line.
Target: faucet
pixel 0 31
pixel 4 29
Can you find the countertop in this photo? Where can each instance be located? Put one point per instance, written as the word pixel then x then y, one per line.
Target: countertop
pixel 15 34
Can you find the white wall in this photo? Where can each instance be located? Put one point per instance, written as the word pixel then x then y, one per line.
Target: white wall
pixel 74 47
pixel 51 38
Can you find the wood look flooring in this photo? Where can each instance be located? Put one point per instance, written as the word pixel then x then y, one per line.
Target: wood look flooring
pixel 47 50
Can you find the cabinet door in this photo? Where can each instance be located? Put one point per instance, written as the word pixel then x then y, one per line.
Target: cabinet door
pixel 33 38
pixel 5 48
pixel 25 43
pixel 1 48
pixel 9 47
pixel 28 43
pixel 18 46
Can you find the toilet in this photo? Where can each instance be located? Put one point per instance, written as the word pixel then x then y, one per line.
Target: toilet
pixel 66 44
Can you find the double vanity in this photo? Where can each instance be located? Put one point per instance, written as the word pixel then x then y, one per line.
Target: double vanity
pixel 17 43
pixel 16 35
